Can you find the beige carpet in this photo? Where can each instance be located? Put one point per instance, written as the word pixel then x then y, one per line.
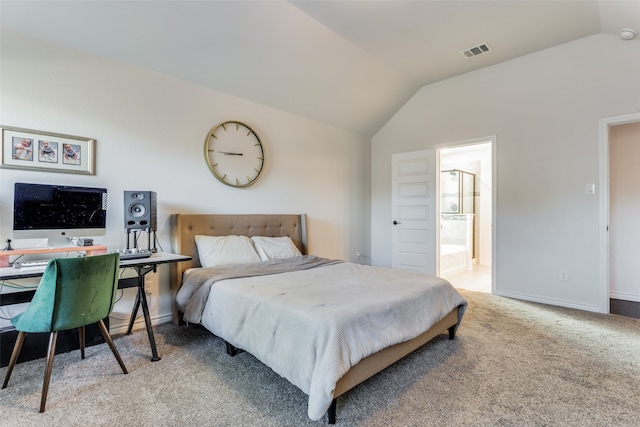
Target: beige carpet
pixel 512 364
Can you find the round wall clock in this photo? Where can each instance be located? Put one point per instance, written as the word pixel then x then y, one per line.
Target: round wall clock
pixel 234 154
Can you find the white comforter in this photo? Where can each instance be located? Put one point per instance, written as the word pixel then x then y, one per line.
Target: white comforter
pixel 311 326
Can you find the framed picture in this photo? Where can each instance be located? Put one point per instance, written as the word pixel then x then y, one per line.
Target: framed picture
pixel 47 151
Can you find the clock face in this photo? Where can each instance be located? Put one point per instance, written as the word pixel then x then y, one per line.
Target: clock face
pixel 234 154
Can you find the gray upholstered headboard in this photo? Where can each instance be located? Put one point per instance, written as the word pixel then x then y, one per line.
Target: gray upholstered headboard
pixel 184 228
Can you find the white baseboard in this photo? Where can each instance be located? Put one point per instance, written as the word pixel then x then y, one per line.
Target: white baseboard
pixel 624 296
pixel 549 301
pixel 119 327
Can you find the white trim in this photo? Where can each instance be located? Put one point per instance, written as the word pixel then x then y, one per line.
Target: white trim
pixel 494 214
pixel 624 296
pixel 605 294
pixel 549 301
pixel 436 172
pixel 457 144
pixel 121 329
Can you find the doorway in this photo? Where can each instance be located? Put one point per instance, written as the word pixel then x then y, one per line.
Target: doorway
pixel 466 214
pixel 624 202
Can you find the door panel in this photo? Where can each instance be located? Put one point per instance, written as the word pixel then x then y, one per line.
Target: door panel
pixel 413 211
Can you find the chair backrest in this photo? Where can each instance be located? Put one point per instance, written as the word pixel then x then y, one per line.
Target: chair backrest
pixel 73 292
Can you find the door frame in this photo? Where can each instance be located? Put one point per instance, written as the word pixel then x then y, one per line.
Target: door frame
pixel 604 125
pixel 493 139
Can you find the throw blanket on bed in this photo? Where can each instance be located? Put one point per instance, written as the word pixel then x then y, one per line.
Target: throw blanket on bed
pixel 198 281
pixel 312 326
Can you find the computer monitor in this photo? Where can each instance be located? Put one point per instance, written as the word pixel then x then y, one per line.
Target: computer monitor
pixel 58 212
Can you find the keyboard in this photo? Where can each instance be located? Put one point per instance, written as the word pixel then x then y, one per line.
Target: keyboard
pixel 134 253
pixel 32 265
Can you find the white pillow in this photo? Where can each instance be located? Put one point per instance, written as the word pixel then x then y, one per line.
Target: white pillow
pixel 275 247
pixel 225 250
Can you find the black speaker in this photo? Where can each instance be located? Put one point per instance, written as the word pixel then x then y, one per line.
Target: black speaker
pixel 140 210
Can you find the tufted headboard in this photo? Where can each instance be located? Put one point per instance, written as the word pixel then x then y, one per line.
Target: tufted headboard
pixel 184 228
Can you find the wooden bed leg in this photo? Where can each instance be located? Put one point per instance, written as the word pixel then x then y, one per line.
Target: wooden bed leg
pixel 452 332
pixel 331 413
pixel 231 350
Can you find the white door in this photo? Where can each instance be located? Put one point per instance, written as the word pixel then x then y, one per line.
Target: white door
pixel 414 221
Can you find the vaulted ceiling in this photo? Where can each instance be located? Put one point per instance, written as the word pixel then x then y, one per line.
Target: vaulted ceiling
pixel 351 64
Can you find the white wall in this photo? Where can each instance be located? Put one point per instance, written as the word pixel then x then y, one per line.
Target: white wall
pixel 150 132
pixel 544 109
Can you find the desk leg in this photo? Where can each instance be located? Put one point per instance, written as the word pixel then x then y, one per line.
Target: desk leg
pixel 141 298
pixel 134 312
pixel 147 320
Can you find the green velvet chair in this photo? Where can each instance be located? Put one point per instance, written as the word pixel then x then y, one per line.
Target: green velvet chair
pixel 73 293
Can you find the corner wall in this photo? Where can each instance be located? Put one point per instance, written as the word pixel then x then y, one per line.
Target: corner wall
pixel 545 110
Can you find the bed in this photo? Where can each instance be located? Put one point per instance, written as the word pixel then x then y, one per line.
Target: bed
pixel 267 307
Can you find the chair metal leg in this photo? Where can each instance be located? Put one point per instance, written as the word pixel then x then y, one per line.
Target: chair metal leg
pixel 47 373
pixel 14 357
pixel 81 336
pixel 107 338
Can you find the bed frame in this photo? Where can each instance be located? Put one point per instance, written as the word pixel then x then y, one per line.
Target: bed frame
pixel 184 228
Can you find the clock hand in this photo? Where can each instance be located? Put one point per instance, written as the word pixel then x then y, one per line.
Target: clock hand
pixel 226 153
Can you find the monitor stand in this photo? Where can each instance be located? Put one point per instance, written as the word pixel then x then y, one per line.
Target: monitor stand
pixel 59 242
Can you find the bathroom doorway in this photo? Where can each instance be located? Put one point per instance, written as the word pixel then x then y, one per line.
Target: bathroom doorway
pixel 466 212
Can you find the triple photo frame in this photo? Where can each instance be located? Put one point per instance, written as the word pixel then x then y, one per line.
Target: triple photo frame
pixel 47 151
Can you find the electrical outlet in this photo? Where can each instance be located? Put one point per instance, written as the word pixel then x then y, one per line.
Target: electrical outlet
pixel 564 275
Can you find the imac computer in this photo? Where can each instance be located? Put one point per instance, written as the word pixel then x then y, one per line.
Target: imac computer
pixel 58 213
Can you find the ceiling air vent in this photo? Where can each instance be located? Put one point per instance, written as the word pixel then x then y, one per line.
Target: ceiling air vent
pixel 476 50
